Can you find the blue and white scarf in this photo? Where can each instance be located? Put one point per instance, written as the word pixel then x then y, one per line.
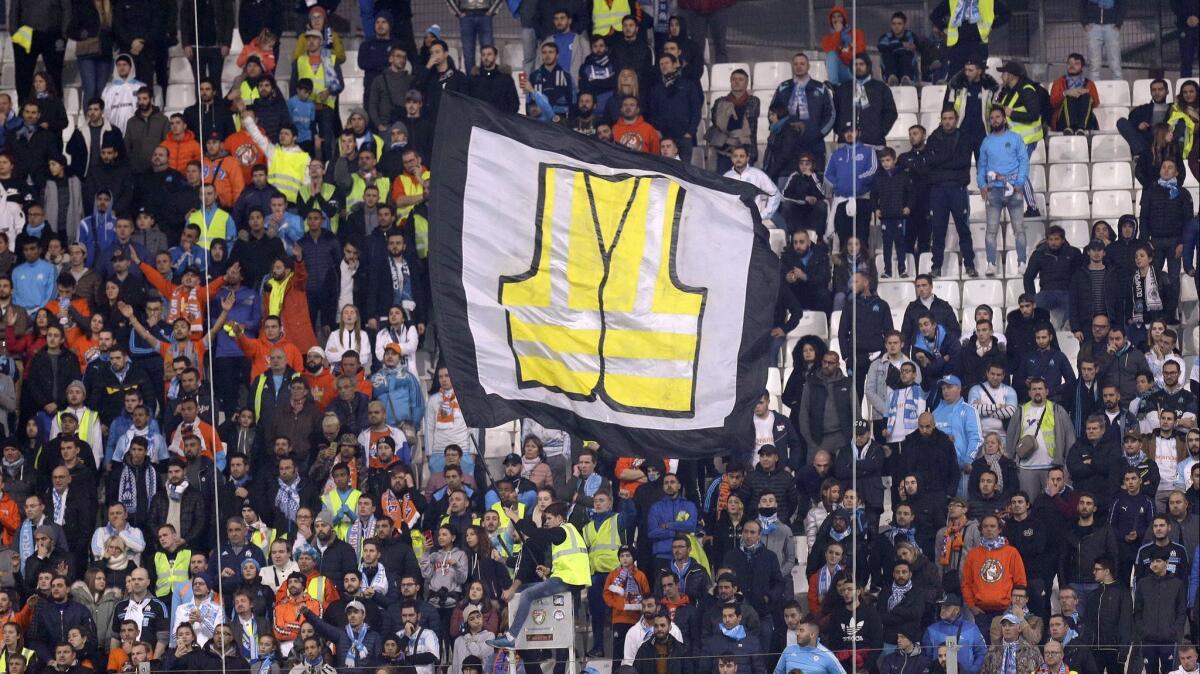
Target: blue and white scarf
pixel 737 633
pixel 968 12
pixel 358 648
pixel 994 543
pixel 798 105
pixel 898 593
pixel 825 578
pixel 769 524
pixel 288 499
pixel 1171 186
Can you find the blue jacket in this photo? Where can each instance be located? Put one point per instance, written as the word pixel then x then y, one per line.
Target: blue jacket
pixel 401 394
pixel 1005 154
pixel 34 284
pixel 850 166
pixel 96 233
pixel 890 43
pixel 1130 513
pixel 670 516
pixel 557 86
pixel 1051 365
pixel 304 116
pixel 809 660
pixel 961 422
pixel 246 311
pixel 972 647
pixel 321 258
pixel 196 258
pixel 821 114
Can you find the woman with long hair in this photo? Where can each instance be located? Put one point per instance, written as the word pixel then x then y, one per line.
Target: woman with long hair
pixel 1185 115
pixel 1103 232
pixel 852 258
pixel 116 563
pixel 533 461
pixel 728 531
pixel 100 596
pixel 54 113
pixel 806 359
pixel 401 331
pixel 349 336
pixel 1162 146
pixel 62 202
pixel 476 598
pixel 1142 299
pixel 627 85
pixel 483 563
pixel 445 572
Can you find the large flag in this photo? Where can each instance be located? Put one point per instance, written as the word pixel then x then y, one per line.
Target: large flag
pixel 619 296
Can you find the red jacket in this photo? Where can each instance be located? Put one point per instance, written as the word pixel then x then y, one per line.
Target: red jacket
pixel 296 324
pixel 833 41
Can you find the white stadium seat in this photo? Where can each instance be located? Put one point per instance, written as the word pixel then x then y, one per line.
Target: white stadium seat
pixel 1037 176
pixel 899 130
pixel 1106 118
pixel 949 291
pixel 932 96
pixel 1013 288
pixel 1039 154
pixel 978 209
pixel 1111 204
pixel 513 56
pixel 817 69
pixel 350 67
pixel 1069 178
pixel 950 266
pixel 180 71
pixel 1179 82
pixel 1078 231
pixel 71 101
pixel 930 121
pixel 1068 345
pixel 768 74
pixel 1112 175
pixel 983 291
pixel 1141 92
pixel 1110 147
pixel 1070 205
pixel 1068 149
pixel 719 80
pixel 1113 93
pixel 778 240
pixel 897 293
pixel 906 99
pixel 353 92
pixel 180 96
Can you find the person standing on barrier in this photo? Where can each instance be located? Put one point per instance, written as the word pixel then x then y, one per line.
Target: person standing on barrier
pixel 570 569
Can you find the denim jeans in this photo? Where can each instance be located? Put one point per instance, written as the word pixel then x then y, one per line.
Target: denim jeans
pixel 94 72
pixel 1106 38
pixel 948 201
pixel 996 204
pixel 894 233
pixel 529 45
pixel 901 63
pixel 530 593
pixel 1054 301
pixel 366 13
pixel 838 72
pixel 475 27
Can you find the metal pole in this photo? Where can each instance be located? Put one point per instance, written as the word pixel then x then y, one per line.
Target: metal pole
pixel 812 25
pixel 1158 31
pixel 1041 18
pixel 951 655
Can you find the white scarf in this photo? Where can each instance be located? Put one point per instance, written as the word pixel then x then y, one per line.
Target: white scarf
pixel 379 581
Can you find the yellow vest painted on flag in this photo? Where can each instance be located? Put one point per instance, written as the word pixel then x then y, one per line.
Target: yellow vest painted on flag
pixel 219 227
pixel 607 20
pixel 169 575
pixel 600 312
pixel 603 544
pixel 287 170
pixel 569 559
pixel 987 14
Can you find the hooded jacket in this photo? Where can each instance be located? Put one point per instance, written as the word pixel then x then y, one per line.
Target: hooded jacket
pixel 876 114
pixel 851 170
pixel 847 43
pixel 142 135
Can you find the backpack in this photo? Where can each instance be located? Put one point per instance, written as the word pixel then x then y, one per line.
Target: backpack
pixel 1044 106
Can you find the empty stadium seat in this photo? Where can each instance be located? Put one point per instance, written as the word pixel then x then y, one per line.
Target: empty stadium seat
pixel 1113 93
pixel 1070 205
pixel 1068 345
pixel 1106 118
pixel 1013 288
pixel 932 96
pixel 983 291
pixel 1141 92
pixel 1039 154
pixel 71 101
pixel 764 104
pixel 949 291
pixel 817 69
pixel 1037 176
pixel 910 265
pixel 350 67
pixel 897 293
pixel 1068 149
pixel 180 96
pixel 719 79
pixel 778 240
pixel 768 74
pixel 949 265
pixel 513 56
pixel 1110 147
pixel 978 208
pixel 353 91
pixel 1069 178
pixel 1190 181
pixel 1078 231
pixel 811 323
pixel 1111 204
pixel 899 130
pixel 906 99
pixel 180 71
pixel 1112 175
pixel 929 120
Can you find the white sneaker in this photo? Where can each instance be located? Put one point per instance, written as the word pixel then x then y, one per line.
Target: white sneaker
pixel 991 269
pixel 1021 269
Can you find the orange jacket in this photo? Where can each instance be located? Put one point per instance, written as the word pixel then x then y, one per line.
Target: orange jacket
pixel 833 41
pixel 322 380
pixel 242 148
pixel 988 577
pixel 79 304
pixel 181 302
pixel 638 135
pixel 294 314
pixel 259 348
pixel 288 617
pixel 10 519
pixel 1058 92
pixel 82 345
pixel 184 150
pixel 226 175
pixel 616 602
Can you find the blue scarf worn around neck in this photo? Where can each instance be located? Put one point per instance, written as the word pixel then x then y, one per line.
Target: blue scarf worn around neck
pixel 1171 186
pixel 994 543
pixel 769 524
pixel 737 634
pixel 925 345
pixel 1136 460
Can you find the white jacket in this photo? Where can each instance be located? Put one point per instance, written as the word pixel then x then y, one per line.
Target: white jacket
pixel 406 337
pixel 120 101
pixel 340 341
pixel 768 201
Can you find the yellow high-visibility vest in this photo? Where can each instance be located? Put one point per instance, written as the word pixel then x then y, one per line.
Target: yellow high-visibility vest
pixel 286 170
pixel 505 520
pixel 334 503
pixel 987 14
pixel 220 226
pixel 170 575
pixel 607 20
pixel 1030 132
pixel 603 544
pixel 412 188
pixel 358 186
pixel 569 559
pixel 249 95
pixel 618 303
pixel 327 192
pixel 86 419
pixel 304 69
pixel 260 386
pixel 27 652
pixel 1189 128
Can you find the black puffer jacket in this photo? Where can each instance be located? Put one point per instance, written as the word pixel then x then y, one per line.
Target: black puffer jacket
pixel 1163 216
pixel 1054 266
pixel 947 160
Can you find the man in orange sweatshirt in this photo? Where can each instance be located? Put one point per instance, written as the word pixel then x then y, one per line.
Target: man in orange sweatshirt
pixel 990 572
pixel 633 131
pixel 181 143
pixel 257 349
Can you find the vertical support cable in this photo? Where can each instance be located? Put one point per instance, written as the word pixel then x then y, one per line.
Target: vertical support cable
pixel 854 407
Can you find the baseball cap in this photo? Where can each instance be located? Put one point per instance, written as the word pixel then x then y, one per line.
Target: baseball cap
pixel 950 380
pixel 1013 68
pixel 1011 618
pixel 347 439
pixel 314 33
pixel 315 350
pixel 951 599
pixel 512 460
pixel 767 449
pixel 355 605
pixel 862 426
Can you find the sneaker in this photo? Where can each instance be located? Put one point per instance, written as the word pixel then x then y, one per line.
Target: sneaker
pixel 1021 269
pixel 991 269
pixel 972 273
pixel 596 652
pixel 885 275
pixel 903 274
pixel 501 642
pixel 935 272
pixel 892 81
pixel 1033 212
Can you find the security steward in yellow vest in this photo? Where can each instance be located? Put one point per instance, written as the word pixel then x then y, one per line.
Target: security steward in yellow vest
pixel 569 569
pixel 607 15
pixel 271 390
pixel 365 175
pixel 27 653
pixel 1019 97
pixel 170 571
pixel 508 497
pixel 341 501
pixel 969 25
